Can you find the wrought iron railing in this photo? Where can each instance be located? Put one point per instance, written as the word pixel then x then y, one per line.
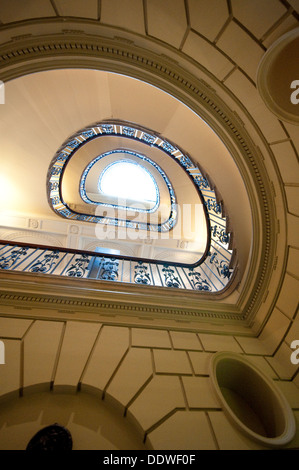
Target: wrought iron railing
pixel 211 275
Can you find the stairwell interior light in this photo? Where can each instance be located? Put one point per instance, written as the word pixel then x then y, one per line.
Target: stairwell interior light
pixel 128 180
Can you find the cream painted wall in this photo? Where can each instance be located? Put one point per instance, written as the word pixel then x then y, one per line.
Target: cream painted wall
pixel 160 379
pixel 93 424
pixel 169 396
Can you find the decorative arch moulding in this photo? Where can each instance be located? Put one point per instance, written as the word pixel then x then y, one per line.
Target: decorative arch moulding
pixel 64 51
pixel 98 307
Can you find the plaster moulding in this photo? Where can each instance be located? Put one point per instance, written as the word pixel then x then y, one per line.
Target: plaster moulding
pixel 51 291
pixel 64 51
pixel 30 237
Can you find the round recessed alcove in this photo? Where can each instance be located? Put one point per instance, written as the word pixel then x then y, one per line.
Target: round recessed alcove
pixel 278 77
pixel 251 400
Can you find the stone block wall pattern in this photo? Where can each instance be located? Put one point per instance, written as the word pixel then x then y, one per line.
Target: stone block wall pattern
pixel 160 392
pixel 132 369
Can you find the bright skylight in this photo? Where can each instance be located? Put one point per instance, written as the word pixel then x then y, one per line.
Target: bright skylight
pixel 128 180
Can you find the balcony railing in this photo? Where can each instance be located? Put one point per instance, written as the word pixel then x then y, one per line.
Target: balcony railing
pixel 211 275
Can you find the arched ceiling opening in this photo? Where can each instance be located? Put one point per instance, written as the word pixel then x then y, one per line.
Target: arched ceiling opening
pixel 50 46
pixel 54 104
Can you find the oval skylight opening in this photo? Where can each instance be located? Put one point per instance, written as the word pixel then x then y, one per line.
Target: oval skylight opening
pixel 127 180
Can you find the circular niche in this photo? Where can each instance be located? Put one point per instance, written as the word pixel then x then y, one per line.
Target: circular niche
pixel 278 77
pixel 252 401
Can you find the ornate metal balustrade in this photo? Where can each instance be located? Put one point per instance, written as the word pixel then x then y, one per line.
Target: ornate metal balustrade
pixel 212 275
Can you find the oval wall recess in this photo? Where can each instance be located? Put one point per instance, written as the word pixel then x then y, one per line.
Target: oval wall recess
pixel 251 400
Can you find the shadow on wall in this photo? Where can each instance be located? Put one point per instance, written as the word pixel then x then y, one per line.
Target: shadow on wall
pixel 93 424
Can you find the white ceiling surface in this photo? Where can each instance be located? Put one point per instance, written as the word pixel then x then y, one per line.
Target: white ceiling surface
pixel 43 109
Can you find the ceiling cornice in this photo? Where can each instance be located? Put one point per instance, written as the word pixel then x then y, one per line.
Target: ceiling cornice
pixel 54 297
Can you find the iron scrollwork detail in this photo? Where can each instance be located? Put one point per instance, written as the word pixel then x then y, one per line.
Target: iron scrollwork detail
pixel 7 262
pixel 201 182
pixel 221 266
pixel 198 282
pixel 169 277
pixel 44 265
pixel 79 267
pixel 141 275
pixel 213 205
pixel 109 269
pixel 219 233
